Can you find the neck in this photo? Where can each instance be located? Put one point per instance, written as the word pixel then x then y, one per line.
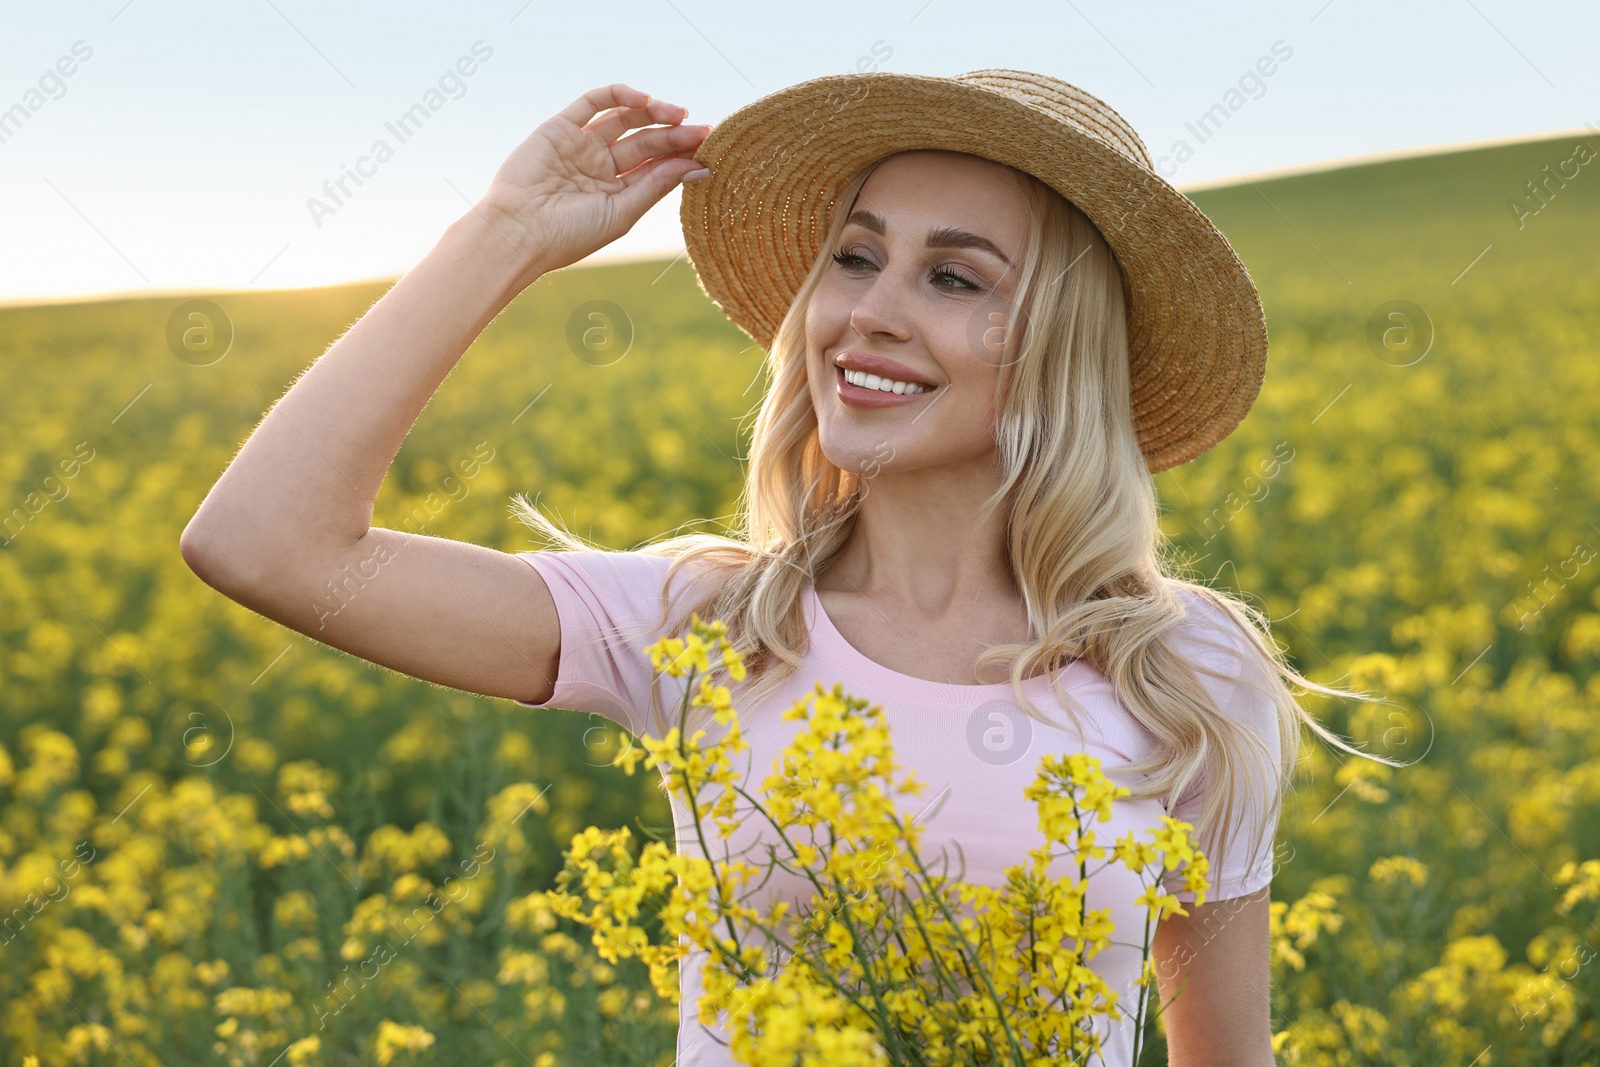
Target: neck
pixel 918 540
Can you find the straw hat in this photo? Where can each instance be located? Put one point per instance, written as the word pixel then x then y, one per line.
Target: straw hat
pixel 1197 334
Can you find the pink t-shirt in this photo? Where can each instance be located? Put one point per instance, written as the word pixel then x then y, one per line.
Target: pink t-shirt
pixel 973 746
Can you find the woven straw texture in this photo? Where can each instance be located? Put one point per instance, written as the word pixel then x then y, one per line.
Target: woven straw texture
pixel 1197 333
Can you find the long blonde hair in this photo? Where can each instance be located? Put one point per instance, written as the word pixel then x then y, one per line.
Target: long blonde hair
pixel 1099 579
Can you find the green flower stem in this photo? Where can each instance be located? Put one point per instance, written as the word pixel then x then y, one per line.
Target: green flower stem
pixel 691 792
pixel 1083 912
pixel 819 968
pixel 905 949
pixel 1011 1039
pixel 691 789
pixel 928 889
pixel 1138 1026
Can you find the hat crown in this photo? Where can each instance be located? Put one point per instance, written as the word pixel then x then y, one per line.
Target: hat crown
pixel 1066 102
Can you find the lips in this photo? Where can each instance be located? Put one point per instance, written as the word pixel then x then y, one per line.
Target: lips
pixel 882 367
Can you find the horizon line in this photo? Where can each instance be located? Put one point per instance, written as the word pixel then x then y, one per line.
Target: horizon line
pixel 600 258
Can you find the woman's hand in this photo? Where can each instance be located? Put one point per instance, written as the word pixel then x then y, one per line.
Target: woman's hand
pixel 573 186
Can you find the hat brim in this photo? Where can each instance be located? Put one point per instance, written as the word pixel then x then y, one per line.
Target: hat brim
pixel 1197 333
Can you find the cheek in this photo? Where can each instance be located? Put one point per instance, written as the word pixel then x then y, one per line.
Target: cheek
pixel 990 336
pixel 980 411
pixel 821 308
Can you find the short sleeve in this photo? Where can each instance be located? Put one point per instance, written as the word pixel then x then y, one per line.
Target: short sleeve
pixel 1212 639
pixel 609 605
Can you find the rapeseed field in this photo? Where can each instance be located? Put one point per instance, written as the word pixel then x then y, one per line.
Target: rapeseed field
pixel 221 842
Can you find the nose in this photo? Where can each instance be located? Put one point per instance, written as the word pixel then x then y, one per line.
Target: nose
pixel 880 309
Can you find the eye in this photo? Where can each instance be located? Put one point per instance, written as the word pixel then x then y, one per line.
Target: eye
pixel 852 262
pixel 847 259
pixel 946 272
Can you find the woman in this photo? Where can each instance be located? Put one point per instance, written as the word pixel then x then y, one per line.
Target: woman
pixel 988 324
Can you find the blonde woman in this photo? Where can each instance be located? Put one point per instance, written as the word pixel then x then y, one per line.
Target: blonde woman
pixel 988 323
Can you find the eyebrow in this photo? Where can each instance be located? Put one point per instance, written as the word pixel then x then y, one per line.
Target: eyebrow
pixel 939 237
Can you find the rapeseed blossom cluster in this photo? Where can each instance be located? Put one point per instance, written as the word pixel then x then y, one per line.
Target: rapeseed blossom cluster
pixel 888 964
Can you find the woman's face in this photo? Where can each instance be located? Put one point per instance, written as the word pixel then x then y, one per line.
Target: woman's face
pixel 926 268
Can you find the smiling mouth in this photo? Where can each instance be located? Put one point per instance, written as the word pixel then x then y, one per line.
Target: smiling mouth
pixel 843 383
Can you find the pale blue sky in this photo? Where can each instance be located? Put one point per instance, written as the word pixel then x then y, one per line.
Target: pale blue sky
pixel 180 154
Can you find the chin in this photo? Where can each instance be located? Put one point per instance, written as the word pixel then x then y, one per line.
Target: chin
pixel 869 458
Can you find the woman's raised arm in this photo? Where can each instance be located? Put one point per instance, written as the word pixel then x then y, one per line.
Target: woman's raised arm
pixel 293 511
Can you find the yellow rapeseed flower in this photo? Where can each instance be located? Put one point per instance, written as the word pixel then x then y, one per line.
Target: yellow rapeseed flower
pixel 392 1038
pixel 1391 869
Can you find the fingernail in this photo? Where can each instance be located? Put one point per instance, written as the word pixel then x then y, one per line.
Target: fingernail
pixel 696 175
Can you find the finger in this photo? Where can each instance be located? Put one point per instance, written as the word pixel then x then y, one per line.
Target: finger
pixel 650 182
pixel 595 101
pixel 610 126
pixel 633 176
pixel 658 141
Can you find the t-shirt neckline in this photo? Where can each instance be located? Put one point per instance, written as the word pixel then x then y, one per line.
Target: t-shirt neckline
pixel 831 644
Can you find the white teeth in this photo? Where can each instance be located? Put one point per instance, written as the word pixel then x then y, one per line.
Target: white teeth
pixel 883 385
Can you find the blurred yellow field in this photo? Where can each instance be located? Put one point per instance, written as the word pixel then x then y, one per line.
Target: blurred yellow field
pixel 224 842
